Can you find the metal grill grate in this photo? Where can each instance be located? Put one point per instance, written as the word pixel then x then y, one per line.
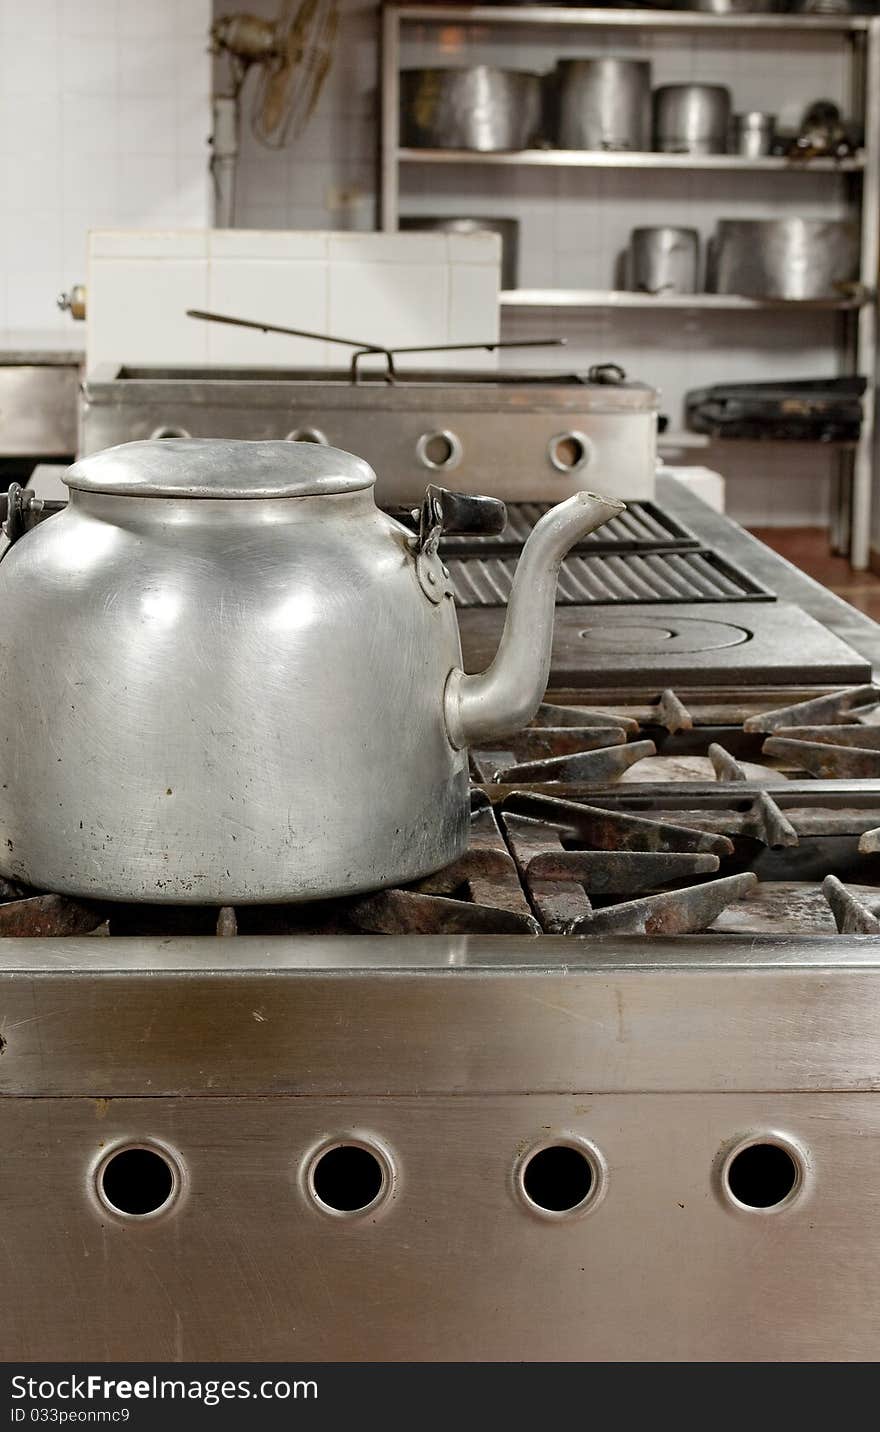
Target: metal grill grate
pixel 641 526
pixel 610 578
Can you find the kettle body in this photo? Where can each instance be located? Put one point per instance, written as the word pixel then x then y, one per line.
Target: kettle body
pixel 234 680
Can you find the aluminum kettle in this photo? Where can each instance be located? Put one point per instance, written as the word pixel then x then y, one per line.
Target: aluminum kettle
pixel 239 681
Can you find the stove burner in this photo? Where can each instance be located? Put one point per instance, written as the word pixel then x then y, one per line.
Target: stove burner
pixel 647 634
pixel 560 844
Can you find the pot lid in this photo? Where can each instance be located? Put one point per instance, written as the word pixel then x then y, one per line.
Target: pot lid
pixel 220 468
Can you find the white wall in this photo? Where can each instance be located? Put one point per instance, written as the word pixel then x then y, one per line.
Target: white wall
pixel 575 222
pixel 104 120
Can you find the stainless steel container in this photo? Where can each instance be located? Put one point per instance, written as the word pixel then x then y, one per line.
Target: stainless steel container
pixel 735 7
pixel 239 681
pixel 691 118
pixel 663 259
pixel 784 258
pixel 602 103
pixel 479 108
pixel 752 133
pixel 507 228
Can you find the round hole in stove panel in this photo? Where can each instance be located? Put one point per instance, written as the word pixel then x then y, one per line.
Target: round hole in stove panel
pixel 168 431
pixel 561 1178
pixel 138 1180
pixel 349 1177
pixel 308 435
pixel 655 634
pixel 439 451
pixel 569 452
pixel 763 1173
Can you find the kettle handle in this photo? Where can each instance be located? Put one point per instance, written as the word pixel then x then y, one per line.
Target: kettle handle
pixel 446 511
pixel 20 511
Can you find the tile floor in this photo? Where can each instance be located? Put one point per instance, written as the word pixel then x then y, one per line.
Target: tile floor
pixel 807 548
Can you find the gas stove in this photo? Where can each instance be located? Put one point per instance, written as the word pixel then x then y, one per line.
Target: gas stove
pixel 633 819
pixel 604 1088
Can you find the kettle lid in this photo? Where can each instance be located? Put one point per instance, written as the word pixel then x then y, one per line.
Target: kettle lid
pixel 220 468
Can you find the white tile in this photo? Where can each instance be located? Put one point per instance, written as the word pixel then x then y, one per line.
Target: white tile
pixel 267 244
pixel 30 17
pixel 142 244
pixel 146 124
pixel 137 311
pixel 75 227
pixel 193 204
pixel 147 191
pixel 193 119
pixel 91 64
pixel 27 183
pixel 473 304
pixel 391 303
pixel 484 248
pixel 264 180
pixel 31 300
pixel 33 240
pixel 150 66
pixel 93 18
pixel 185 18
pixel 30 64
pixel 404 249
pixel 287 293
pixel 30 124
pixel 88 126
pixel 93 187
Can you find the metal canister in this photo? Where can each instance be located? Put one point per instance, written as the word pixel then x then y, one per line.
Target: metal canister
pixel 480 108
pixel 789 258
pixel 602 103
pixel 752 133
pixel 691 118
pixel 663 259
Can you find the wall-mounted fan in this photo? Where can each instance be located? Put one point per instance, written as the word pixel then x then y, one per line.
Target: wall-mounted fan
pixel 292 55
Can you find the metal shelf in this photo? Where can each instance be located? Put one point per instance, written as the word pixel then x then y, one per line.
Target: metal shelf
pixel 856 344
pixel 620 159
pixel 647 19
pixel 644 302
pixel 679 440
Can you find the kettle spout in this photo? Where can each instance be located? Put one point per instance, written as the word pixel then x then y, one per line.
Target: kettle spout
pixel 505 696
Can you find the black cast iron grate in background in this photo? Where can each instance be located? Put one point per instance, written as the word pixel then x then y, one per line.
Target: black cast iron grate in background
pixel 641 527
pixel 613 577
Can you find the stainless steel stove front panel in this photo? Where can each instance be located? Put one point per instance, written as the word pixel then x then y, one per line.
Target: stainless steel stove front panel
pixel 366 1016
pixel 455 1060
pixel 453 1265
pixel 503 439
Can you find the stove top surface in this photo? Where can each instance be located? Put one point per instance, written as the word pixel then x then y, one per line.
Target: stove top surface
pixel 722 817
pixel 745 642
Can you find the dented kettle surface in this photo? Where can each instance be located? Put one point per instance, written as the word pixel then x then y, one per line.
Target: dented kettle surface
pixel 234 681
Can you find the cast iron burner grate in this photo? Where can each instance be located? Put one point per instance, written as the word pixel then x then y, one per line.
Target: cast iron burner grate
pixel 641 527
pixel 613 578
pixel 562 847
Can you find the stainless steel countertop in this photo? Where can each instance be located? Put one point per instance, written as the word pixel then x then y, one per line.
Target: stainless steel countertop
pixel 773 571
pixel 41 348
pixel 41 358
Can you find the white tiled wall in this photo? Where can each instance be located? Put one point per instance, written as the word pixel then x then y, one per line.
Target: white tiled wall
pixel 574 223
pixel 104 119
pixel 401 289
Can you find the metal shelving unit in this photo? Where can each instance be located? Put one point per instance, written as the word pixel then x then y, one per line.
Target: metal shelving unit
pixel 599 159
pixel 713 302
pixel 858 318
